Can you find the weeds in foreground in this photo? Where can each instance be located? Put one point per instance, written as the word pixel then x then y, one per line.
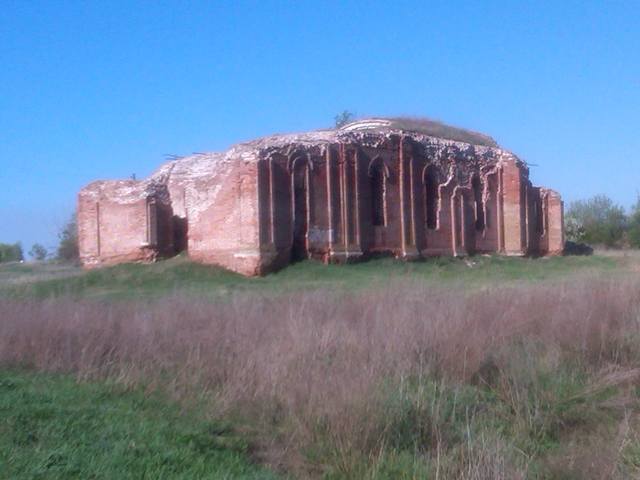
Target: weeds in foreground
pixel 405 381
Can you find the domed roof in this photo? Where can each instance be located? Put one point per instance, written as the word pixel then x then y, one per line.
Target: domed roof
pixel 204 165
pixel 423 126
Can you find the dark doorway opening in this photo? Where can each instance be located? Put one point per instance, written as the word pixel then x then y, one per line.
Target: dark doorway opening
pixel 300 204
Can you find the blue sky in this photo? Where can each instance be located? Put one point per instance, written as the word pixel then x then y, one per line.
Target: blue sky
pixel 93 90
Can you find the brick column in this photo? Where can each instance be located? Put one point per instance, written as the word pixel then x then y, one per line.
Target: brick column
pixel 407 227
pixel 343 202
pixel 555 223
pixel 331 207
pixel 513 208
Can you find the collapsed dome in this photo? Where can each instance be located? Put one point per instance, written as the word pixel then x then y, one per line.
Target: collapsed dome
pixel 424 126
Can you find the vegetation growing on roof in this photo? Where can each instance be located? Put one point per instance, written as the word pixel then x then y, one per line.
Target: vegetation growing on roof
pixel 343 118
pixel 426 126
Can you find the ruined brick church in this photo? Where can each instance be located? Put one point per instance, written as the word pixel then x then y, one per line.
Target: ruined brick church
pixel 406 187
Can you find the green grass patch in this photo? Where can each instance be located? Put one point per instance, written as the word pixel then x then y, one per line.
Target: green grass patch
pixel 55 428
pixel 130 281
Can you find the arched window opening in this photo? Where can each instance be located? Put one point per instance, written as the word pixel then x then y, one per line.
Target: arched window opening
pixel 431 197
pixel 476 184
pixel 300 168
pixel 377 181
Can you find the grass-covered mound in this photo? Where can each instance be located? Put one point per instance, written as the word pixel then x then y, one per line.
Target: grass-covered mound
pixel 180 275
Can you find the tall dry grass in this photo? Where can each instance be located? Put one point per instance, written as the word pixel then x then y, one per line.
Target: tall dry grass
pixel 356 384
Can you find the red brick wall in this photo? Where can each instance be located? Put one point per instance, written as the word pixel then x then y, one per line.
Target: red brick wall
pixel 486 240
pixel 555 223
pixel 223 219
pixel 115 226
pixel 237 210
pixel 514 216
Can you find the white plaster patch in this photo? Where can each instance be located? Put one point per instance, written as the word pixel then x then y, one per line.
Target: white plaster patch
pixel 318 235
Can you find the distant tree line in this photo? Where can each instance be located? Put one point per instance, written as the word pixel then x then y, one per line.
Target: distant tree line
pixel 66 251
pixel 11 252
pixel 600 221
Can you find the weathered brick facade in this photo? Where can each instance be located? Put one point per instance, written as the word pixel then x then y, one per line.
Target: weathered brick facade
pixel 335 195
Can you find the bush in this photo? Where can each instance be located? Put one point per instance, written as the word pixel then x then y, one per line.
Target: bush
pixel 574 248
pixel 343 118
pixel 11 252
pixel 596 221
pixel 633 225
pixel 68 247
pixel 38 252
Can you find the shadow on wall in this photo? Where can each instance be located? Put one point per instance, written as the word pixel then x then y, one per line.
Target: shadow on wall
pixel 180 231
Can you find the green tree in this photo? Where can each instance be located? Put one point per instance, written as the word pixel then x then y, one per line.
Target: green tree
pixel 597 220
pixel 68 246
pixel 11 252
pixel 38 252
pixel 343 118
pixel 633 227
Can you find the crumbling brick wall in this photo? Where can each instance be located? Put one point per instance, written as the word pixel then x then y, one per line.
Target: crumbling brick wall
pixel 123 221
pixel 334 195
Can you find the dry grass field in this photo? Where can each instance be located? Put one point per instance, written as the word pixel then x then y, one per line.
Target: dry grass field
pixel 484 368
